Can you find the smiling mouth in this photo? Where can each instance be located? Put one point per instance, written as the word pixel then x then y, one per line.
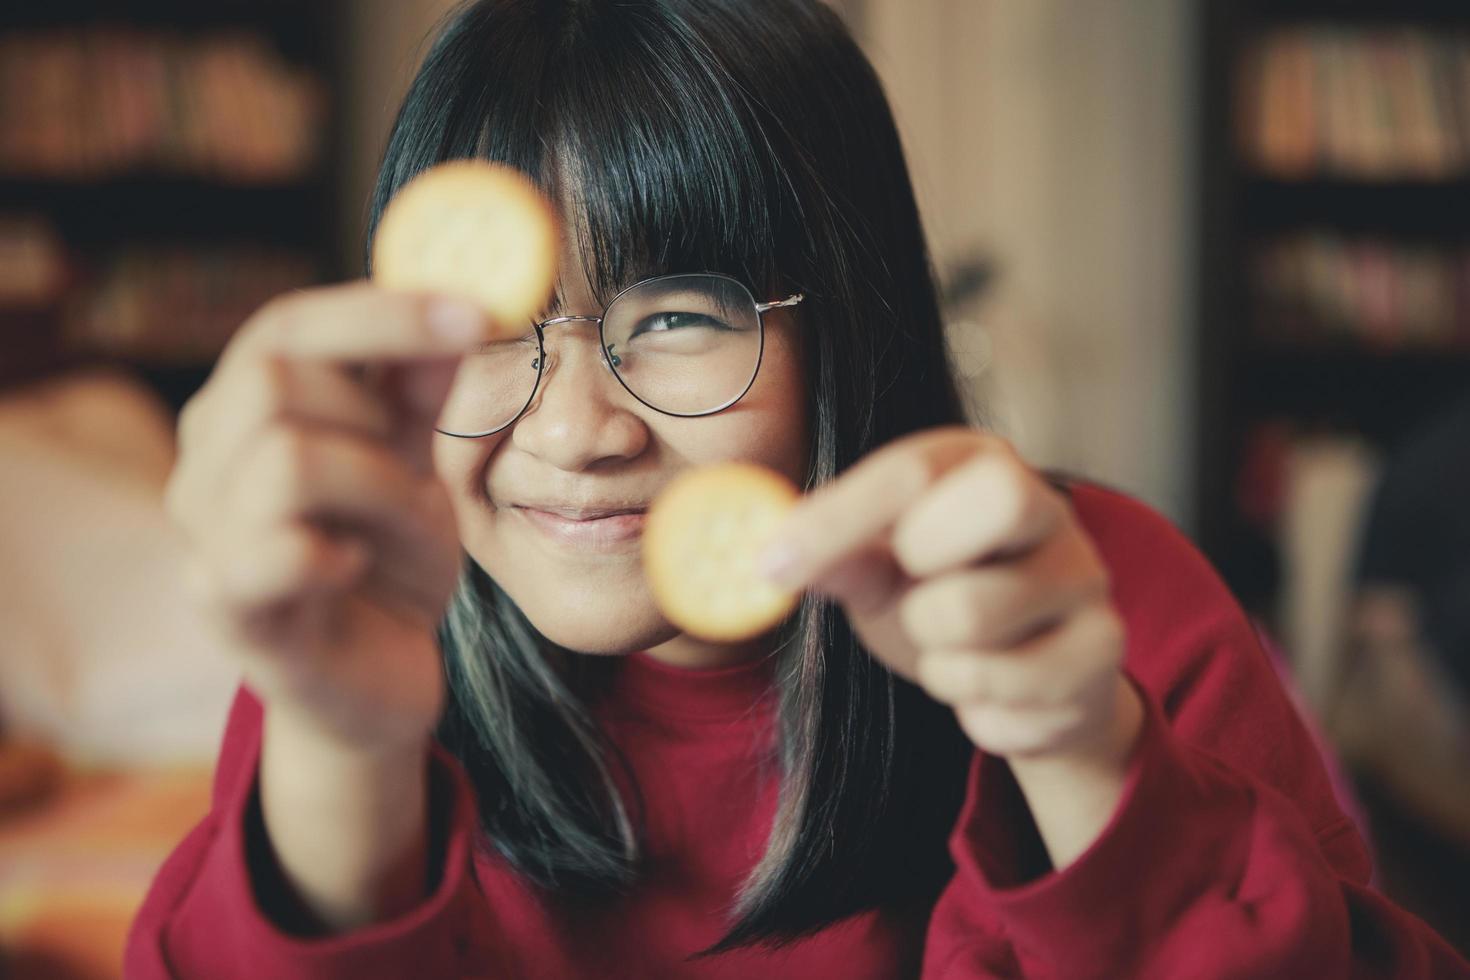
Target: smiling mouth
pixel 586 529
pixel 583 514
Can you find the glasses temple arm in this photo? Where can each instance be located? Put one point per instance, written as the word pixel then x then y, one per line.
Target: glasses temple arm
pixel 791 300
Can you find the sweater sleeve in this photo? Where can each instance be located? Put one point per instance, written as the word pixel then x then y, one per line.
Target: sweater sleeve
pixel 202 916
pixel 1227 855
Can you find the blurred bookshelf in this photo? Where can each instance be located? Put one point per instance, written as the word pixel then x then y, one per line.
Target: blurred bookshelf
pixel 165 167
pixel 1335 278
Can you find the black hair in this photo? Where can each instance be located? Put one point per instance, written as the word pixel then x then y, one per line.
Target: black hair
pixel 749 137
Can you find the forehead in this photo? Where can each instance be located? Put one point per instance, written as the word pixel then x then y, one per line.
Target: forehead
pixel 621 226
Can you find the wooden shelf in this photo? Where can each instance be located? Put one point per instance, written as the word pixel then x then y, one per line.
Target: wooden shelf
pixel 1428 357
pixel 1394 208
pixel 175 382
pixel 1436 13
pixel 1349 390
pixel 293 23
pixel 132 183
pixel 153 208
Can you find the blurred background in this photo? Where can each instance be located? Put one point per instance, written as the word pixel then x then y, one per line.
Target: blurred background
pixel 1215 253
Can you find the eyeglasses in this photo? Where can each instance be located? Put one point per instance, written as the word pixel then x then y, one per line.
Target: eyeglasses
pixel 686 345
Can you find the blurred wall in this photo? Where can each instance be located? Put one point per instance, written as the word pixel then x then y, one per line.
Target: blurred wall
pixel 1058 137
pixel 1055 136
pixel 386 41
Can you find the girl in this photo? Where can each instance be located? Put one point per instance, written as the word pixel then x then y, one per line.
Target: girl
pixel 1018 726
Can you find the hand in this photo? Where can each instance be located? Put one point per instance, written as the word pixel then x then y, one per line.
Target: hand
pixel 964 571
pixel 325 549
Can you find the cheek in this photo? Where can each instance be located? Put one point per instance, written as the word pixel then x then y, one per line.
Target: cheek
pixel 460 465
pixel 768 426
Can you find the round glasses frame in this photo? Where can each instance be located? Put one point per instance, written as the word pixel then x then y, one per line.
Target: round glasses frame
pixel 761 309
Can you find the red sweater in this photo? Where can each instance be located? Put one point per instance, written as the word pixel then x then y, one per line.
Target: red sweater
pixel 1228 854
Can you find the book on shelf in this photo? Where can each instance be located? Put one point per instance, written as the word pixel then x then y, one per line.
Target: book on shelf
pixel 178 305
pixel 1356 103
pixel 1327 483
pixel 174 304
pixel 103 101
pixel 1320 286
pixel 33 264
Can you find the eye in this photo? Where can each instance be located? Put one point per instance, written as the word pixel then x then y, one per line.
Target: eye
pixel 674 320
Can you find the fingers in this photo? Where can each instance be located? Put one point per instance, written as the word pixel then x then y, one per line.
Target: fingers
pixel 1040 697
pixel 307 474
pixel 850 513
pixel 990 505
pixel 941 500
pixel 278 368
pixel 237 404
pixel 995 607
pixel 305 462
pixel 239 401
pixel 362 322
pixel 282 565
pixel 1048 670
pixel 306 514
pixel 866 581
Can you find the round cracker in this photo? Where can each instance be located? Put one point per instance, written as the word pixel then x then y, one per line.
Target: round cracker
pixel 473 229
pixel 701 542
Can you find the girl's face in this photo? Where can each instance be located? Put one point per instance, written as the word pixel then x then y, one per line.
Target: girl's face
pixel 531 500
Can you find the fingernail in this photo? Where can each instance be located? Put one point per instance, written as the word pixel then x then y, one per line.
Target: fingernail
pixel 455 320
pixel 778 563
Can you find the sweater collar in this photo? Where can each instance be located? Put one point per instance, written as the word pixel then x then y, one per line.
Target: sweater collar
pixel 720 694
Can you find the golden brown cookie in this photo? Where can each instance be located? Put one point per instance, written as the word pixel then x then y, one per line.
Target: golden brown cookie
pixel 703 536
pixel 473 229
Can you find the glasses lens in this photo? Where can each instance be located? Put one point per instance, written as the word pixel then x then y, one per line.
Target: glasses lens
pixel 684 344
pixel 494 382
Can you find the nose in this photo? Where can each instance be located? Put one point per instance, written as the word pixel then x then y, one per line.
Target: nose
pixel 580 417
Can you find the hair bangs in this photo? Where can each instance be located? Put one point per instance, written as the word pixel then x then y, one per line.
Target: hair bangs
pixel 660 170
pixel 631 126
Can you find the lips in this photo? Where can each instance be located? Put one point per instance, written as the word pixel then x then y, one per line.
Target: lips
pixel 582 513
pixel 584 528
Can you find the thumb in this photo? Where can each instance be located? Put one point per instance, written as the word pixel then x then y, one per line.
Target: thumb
pixel 866 582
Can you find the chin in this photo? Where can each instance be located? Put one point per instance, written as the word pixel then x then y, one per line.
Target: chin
pixel 588 638
pixel 596 623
